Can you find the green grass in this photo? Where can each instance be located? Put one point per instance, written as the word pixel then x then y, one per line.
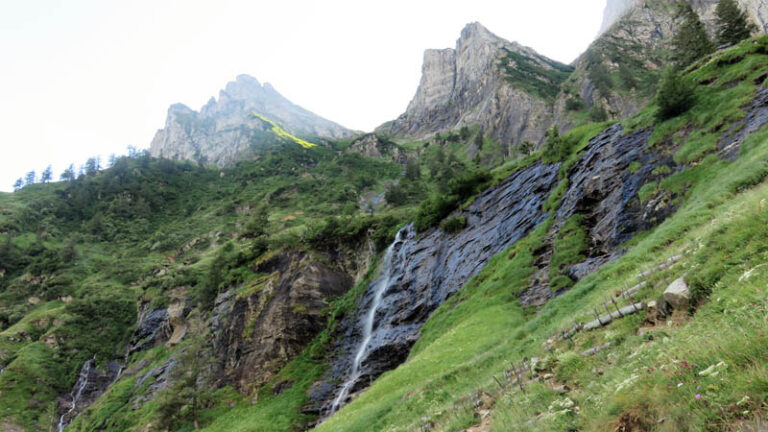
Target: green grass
pixel 530 75
pixel 106 239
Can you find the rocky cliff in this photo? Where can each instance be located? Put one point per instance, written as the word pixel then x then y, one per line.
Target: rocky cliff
pixel 502 86
pixel 617 74
pixel 225 130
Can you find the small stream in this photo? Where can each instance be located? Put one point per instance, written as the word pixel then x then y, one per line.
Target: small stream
pixel 77 392
pixel 380 288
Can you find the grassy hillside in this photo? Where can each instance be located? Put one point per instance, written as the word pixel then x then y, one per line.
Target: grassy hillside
pixel 702 369
pixel 77 257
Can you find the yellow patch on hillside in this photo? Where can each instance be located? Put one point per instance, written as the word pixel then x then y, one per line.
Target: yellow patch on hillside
pixel 277 130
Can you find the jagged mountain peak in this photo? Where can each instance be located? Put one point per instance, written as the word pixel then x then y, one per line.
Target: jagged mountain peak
pixel 225 131
pixel 475 30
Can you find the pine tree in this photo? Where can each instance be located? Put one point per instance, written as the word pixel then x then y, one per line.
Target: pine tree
pixel 691 41
pixel 733 24
pixel 676 95
pixel 47 175
pixel 68 174
pixel 92 166
pixel 412 169
pixel 182 401
pixel 18 185
pixel 30 178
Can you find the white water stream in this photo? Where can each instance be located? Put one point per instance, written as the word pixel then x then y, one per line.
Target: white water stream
pixel 82 381
pixel 380 289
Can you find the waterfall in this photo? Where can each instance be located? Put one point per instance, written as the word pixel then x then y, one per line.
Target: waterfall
pixel 77 392
pixel 379 289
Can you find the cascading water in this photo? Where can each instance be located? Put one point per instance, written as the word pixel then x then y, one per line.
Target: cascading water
pixel 82 381
pixel 379 289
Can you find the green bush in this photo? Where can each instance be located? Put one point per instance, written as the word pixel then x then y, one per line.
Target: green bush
pixel 574 104
pixel 436 208
pixel 453 225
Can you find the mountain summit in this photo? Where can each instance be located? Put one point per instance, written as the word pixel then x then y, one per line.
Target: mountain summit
pixel 502 86
pixel 226 130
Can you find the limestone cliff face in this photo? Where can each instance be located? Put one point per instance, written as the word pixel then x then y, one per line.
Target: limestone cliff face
pixel 478 82
pixel 224 131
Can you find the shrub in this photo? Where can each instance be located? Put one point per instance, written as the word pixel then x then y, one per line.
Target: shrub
pixel 574 104
pixel 598 114
pixel 454 225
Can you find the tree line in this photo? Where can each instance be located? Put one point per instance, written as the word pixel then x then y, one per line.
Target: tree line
pixel 91 167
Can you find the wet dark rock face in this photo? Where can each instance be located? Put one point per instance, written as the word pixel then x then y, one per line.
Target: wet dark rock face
pixel 757 116
pixel 256 334
pixel 149 330
pixel 604 190
pixel 431 267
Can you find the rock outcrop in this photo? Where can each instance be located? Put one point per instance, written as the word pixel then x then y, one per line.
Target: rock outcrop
pixel 374 146
pixel 257 331
pixel 225 131
pixel 677 294
pixel 614 10
pixel 502 86
pixel 757 9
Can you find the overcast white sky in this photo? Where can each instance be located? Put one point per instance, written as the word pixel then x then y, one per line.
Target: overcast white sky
pixel 91 77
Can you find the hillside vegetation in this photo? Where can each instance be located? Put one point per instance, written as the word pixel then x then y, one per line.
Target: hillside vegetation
pixel 698 369
pixel 82 262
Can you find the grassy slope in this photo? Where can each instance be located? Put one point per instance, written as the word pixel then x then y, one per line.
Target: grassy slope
pixel 721 230
pixel 467 342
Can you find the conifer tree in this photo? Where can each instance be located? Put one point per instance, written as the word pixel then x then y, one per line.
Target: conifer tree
pixel 47 175
pixel 733 25
pixel 691 41
pixel 30 178
pixel 68 174
pixel 676 95
pixel 18 185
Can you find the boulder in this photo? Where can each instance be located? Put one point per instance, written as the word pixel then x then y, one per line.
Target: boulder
pixel 677 294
